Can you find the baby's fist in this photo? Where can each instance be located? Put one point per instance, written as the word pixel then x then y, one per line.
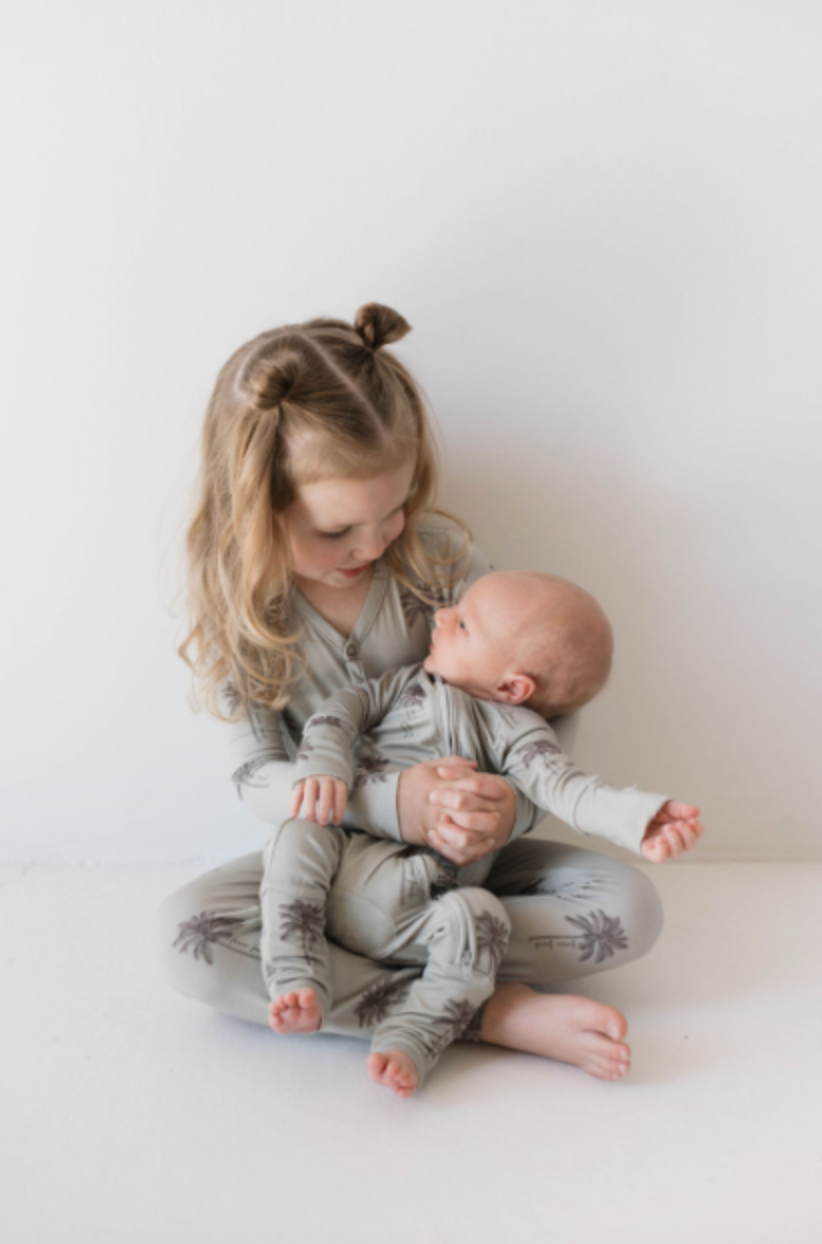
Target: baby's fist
pixel 674 829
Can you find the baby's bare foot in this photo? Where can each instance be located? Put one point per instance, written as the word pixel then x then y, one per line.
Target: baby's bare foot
pixel 570 1029
pixel 395 1070
pixel 296 1012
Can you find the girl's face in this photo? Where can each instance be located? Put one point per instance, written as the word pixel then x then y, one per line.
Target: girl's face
pixel 338 527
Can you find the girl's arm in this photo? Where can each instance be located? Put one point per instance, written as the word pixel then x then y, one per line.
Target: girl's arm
pixel 260 764
pixel 261 755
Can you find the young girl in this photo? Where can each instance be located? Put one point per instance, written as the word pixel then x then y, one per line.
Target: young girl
pixel 316 558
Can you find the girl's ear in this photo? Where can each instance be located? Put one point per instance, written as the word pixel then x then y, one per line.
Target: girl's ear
pixel 515 689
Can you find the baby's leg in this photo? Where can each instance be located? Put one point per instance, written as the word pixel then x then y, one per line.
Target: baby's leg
pixel 380 905
pixel 300 861
pixel 465 933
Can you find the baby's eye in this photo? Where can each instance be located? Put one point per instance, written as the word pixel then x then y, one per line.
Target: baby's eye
pixel 462 626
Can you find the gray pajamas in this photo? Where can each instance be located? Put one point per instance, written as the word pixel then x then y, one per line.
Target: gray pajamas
pixel 390 903
pixel 572 911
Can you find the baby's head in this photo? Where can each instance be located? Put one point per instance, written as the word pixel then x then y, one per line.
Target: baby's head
pixel 520 637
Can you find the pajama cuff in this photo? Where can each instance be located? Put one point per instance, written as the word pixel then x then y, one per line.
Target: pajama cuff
pixel 527 814
pixel 406 1045
pixel 620 816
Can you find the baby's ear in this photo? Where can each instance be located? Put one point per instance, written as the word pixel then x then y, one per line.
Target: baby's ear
pixel 515 689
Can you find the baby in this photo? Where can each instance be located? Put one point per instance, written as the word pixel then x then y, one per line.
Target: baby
pixel 519 647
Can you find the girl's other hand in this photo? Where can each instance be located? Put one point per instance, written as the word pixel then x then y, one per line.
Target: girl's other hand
pixel 480 808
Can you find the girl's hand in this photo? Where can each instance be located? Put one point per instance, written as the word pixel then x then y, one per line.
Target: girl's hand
pixel 320 798
pixel 481 808
pixel 674 829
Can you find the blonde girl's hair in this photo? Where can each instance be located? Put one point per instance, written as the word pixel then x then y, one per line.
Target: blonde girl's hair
pixel 297 404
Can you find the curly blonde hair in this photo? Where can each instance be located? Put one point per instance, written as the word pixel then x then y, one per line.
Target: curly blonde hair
pixel 296 404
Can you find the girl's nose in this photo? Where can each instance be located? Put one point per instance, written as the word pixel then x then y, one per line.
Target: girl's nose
pixel 372 547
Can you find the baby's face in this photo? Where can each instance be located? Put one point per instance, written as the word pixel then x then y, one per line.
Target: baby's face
pixel 470 645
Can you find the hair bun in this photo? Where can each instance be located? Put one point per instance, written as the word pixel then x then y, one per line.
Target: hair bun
pixel 379 325
pixel 270 380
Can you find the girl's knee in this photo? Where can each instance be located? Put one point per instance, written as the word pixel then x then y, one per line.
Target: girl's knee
pixel 182 929
pixel 643 915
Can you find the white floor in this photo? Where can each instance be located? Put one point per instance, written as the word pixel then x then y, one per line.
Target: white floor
pixel 132 1114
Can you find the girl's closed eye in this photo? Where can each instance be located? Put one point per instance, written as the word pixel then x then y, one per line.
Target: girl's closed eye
pixel 334 535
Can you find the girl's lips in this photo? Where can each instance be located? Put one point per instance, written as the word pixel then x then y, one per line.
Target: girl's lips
pixel 352 574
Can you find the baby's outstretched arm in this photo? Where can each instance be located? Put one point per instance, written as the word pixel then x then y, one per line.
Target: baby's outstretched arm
pixel 674 829
pixel 320 798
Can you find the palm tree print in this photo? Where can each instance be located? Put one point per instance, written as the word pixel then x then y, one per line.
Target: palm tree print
pixel 202 932
pixel 302 922
pixel 602 937
pixel 232 697
pixel 411 702
pixel 244 775
pixel 492 936
pixel 370 769
pixel 377 1001
pixel 543 748
pixel 412 697
pixel 456 1017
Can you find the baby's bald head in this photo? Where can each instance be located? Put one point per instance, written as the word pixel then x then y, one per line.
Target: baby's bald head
pixel 555 632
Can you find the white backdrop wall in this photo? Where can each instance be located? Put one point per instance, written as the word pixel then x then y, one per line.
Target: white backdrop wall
pixel 603 222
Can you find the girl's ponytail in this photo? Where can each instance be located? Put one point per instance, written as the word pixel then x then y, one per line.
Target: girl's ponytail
pixel 270 378
pixel 379 326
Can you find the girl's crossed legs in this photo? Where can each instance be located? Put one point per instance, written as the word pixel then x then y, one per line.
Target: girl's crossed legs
pixel 573 912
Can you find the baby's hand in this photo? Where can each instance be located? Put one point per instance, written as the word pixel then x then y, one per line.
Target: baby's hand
pixel 674 829
pixel 320 798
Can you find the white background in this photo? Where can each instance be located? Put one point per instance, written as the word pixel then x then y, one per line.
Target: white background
pixel 603 222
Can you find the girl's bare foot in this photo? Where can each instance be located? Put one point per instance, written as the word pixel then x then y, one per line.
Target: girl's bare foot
pixel 569 1029
pixel 394 1070
pixel 296 1012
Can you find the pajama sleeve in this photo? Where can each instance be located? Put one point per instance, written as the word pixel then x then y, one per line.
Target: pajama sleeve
pixel 259 756
pixel 533 759
pixel 262 756
pixel 330 734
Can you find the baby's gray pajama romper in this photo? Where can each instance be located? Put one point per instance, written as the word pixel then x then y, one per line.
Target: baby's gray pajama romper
pixel 407 905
